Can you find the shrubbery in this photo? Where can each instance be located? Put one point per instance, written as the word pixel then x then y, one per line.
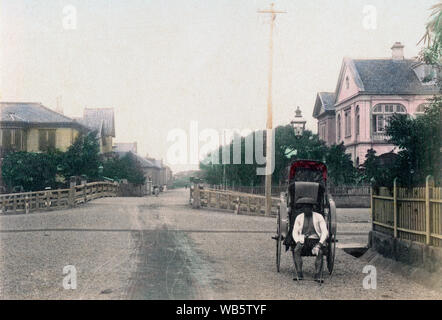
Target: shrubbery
pixel 36 171
pixel 32 171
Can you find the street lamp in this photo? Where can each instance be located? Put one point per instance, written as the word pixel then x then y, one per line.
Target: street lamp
pixel 100 171
pixel 299 123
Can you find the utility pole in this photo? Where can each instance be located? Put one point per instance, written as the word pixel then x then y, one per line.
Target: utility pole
pixel 269 134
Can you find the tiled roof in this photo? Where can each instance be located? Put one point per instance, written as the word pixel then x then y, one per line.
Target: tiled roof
pixel 388 76
pixel 145 163
pixel 125 147
pixel 324 103
pixel 100 119
pixel 328 100
pixel 31 112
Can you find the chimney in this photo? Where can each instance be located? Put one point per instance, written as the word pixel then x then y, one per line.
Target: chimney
pixel 59 107
pixel 397 51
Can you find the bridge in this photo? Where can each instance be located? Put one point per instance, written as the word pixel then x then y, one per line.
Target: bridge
pixel 162 248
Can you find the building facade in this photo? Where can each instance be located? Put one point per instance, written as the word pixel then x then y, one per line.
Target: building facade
pixel 325 113
pixel 33 127
pixel 368 93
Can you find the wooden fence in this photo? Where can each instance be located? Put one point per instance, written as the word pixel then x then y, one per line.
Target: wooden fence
pixel 26 202
pixel 238 202
pixel 409 213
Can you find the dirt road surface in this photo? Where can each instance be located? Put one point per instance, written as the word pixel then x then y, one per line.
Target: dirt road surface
pixel 160 248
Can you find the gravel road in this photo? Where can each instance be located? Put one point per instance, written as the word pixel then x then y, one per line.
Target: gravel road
pixel 160 248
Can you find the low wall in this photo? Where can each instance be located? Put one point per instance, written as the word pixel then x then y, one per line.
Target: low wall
pixel 345 196
pixel 350 201
pixel 240 203
pixel 131 190
pixel 406 251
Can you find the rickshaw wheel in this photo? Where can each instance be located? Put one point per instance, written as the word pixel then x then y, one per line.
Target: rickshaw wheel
pixel 278 241
pixel 331 252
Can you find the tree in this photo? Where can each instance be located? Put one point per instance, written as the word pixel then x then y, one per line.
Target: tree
pixel 82 157
pixel 32 171
pixel 419 143
pixel 370 165
pixel 287 148
pixel 379 170
pixel 432 53
pixel 124 168
pixel 339 164
pixel 233 174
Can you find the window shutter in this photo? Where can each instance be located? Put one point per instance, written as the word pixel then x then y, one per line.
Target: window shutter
pixel 51 139
pixel 6 139
pixel 17 138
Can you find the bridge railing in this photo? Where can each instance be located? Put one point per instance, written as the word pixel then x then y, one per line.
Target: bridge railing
pixel 26 202
pixel 238 202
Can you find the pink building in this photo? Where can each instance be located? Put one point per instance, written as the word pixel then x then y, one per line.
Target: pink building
pixel 368 93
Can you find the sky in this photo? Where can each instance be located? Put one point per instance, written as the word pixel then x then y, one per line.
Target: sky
pixel 162 64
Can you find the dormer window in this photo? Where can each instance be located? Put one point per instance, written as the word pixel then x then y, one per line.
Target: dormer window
pixel 426 73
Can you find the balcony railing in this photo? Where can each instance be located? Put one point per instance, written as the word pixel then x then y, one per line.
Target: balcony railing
pixel 379 137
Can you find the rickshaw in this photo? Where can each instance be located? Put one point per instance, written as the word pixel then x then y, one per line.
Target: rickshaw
pixel 306 178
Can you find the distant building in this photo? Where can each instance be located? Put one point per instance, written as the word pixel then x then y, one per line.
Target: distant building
pixel 102 121
pixel 324 111
pixel 125 147
pixel 167 176
pixel 367 94
pixel 155 172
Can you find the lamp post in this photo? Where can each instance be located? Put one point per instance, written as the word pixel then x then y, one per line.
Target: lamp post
pixel 299 123
pixel 100 171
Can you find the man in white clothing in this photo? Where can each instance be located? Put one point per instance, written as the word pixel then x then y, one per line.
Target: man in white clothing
pixel 309 233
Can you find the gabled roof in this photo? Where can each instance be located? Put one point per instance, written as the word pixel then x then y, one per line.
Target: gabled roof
pixel 32 113
pixel 385 76
pixel 99 119
pixel 324 103
pixel 388 76
pixel 156 163
pixel 348 63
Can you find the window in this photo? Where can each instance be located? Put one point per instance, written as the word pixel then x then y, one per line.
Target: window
pixel 420 110
pixel 382 113
pixel 46 139
pixel 13 139
pixel 322 131
pixel 347 82
pixel 357 120
pixel 338 126
pixel 347 123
